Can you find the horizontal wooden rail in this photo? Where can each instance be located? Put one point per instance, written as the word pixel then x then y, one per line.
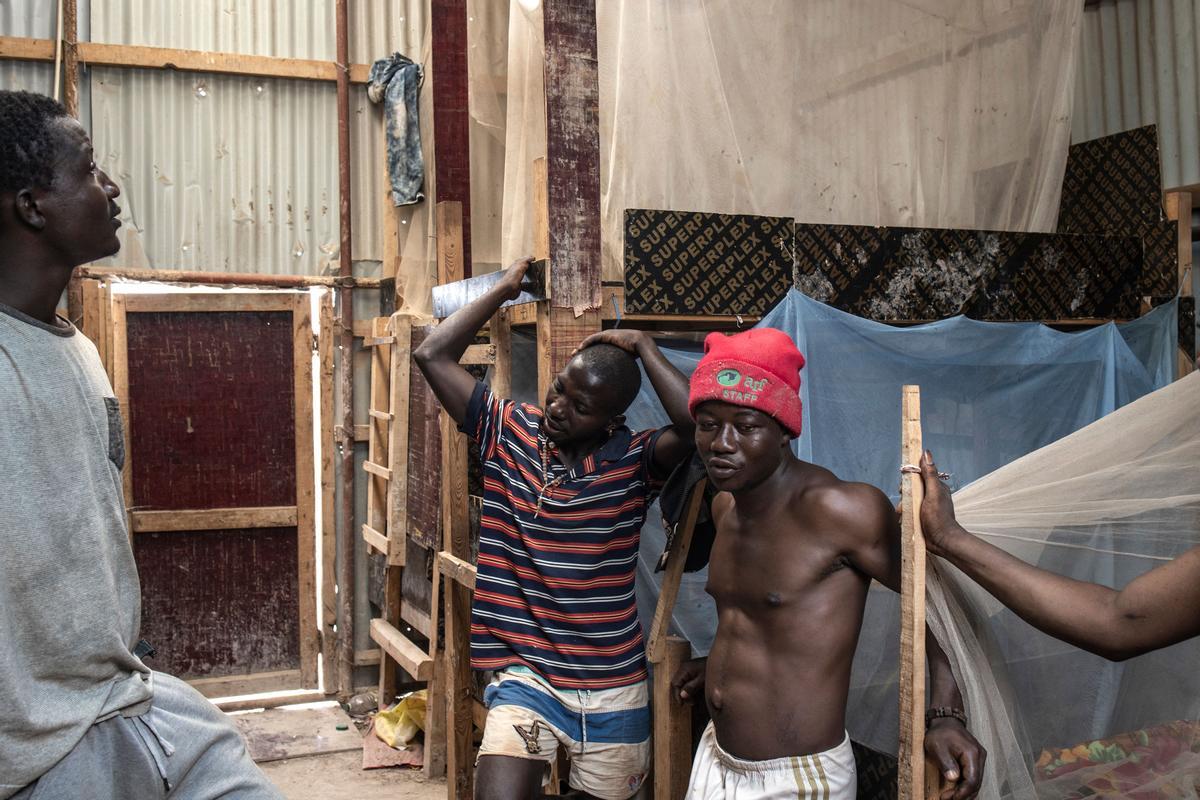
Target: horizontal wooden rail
pixel 226 278
pixel 100 54
pixel 456 569
pixel 376 469
pixel 409 656
pixel 375 539
pixel 212 519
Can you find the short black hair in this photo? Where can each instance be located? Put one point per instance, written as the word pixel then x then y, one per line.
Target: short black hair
pixel 616 368
pixel 28 143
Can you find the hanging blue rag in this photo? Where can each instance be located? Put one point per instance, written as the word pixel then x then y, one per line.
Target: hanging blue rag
pixel 396 81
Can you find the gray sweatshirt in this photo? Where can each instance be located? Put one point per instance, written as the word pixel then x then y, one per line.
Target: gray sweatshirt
pixel 70 605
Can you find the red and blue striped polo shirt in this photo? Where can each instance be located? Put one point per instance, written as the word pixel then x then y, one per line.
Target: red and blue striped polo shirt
pixel 554 589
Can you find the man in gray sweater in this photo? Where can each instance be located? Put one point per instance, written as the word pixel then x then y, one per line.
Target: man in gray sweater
pixel 80 715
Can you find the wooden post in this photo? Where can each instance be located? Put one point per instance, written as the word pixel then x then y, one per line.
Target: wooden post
pixel 1179 209
pixel 672 725
pixel 680 545
pixel 451 114
pixel 349 535
pixel 329 652
pixel 570 236
pixel 500 332
pixel 71 57
pixel 456 540
pixel 917 779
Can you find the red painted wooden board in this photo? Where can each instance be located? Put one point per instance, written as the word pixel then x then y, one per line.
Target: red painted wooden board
pixel 220 602
pixel 211 404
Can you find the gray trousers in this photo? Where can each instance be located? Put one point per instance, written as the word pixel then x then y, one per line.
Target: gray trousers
pixel 181 748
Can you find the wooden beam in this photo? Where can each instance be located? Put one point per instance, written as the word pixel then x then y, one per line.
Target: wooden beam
pixel 212 519
pixel 250 704
pixel 915 782
pixel 367 658
pixel 681 543
pixel 434 764
pixel 397 500
pixel 672 736
pixel 254 683
pixel 500 332
pixel 375 539
pixel 413 659
pixel 99 54
pixel 329 446
pixel 21 48
pixel 225 278
pixel 306 495
pixel 1179 209
pixel 479 354
pixel 451 114
pixel 70 11
pixel 218 302
pixel 460 571
pixel 377 470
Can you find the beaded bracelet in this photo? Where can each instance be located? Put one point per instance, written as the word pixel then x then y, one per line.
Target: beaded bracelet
pixel 941 712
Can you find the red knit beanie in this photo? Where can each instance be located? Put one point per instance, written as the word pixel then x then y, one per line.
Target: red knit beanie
pixel 758 369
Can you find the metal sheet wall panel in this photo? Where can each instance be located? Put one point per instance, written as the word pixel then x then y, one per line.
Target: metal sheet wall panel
pixel 1139 65
pixel 32 18
pixel 220 173
pixel 26 75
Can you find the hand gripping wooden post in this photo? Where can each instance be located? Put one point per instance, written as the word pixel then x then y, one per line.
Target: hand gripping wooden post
pixel 917 778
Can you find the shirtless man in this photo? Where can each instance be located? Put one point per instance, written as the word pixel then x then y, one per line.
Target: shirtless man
pixel 795 551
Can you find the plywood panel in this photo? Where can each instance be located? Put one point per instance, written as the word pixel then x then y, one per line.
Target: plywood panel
pixel 425 448
pixel 212 395
pixel 220 602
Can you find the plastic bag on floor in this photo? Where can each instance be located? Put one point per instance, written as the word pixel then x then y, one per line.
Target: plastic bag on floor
pixel 398 725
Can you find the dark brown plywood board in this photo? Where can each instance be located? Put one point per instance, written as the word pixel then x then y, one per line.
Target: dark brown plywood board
pixel 424 457
pixel 697 263
pixel 212 409
pixel 218 603
pixel 573 152
pixel 1113 186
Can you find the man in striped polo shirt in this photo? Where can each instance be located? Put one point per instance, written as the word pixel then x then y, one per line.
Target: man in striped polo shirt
pixel 566 491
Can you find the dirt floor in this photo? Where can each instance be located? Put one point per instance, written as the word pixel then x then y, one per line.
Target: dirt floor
pixel 340 776
pixel 302 750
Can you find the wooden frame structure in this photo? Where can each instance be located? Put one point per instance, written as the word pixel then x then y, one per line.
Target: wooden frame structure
pixel 104 319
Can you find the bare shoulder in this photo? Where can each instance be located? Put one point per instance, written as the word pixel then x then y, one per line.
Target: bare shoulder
pixel 858 512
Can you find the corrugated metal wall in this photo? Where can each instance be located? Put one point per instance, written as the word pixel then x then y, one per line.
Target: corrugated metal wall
pixel 245 177
pixel 34 18
pixel 1139 65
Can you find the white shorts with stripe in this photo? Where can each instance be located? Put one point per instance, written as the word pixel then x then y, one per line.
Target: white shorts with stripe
pixel 716 775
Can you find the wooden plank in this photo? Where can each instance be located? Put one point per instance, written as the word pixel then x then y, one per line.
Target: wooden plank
pixel 360 433
pixel 386 416
pixel 397 500
pixel 329 632
pixel 415 617
pixel 243 279
pixel 70 12
pixel 1179 209
pixel 375 539
pixel 367 658
pixel 224 301
pixel 911 768
pixel 413 659
pixel 479 354
pixel 306 495
pixel 460 762
pixel 435 705
pixel 377 341
pixel 460 571
pixel 275 701
pixel 500 332
pixel 391 615
pixel 680 545
pixel 377 470
pixel 451 116
pixel 117 55
pixel 672 736
pixel 240 685
pixel 572 154
pixel 212 519
pixel 22 48
pixel 120 382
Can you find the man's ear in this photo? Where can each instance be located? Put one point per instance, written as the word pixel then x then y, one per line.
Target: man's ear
pixel 26 207
pixel 617 421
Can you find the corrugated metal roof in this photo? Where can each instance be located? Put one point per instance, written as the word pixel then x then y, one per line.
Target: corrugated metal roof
pixel 32 18
pixel 1139 65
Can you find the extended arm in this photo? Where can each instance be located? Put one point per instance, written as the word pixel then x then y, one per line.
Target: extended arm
pixel 1157 609
pixel 438 355
pixel 669 384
